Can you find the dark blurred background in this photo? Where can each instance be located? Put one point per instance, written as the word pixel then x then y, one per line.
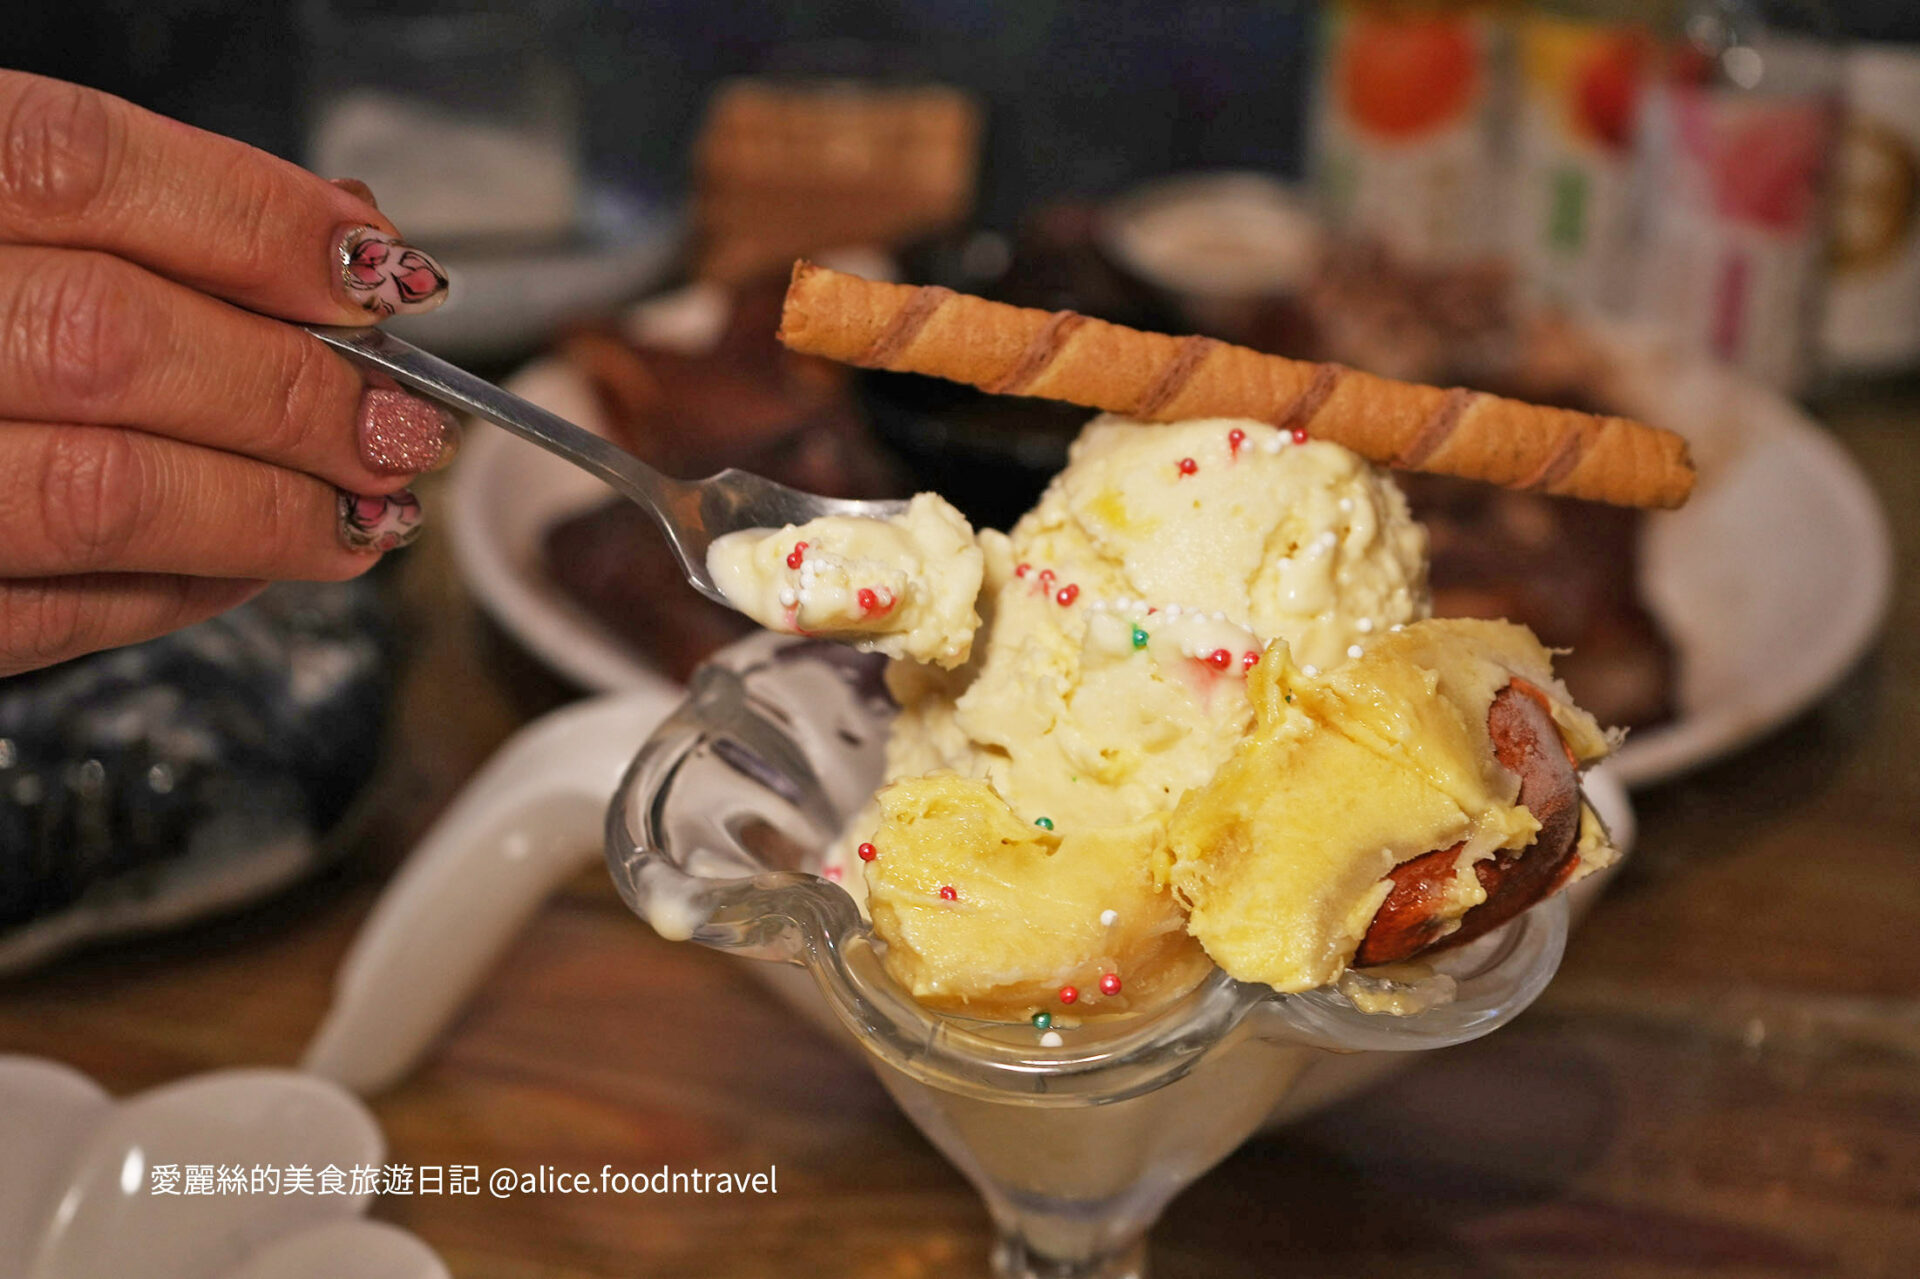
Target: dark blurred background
pixel 1084 96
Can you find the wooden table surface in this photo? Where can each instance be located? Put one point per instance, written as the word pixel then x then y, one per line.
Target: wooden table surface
pixel 1724 1079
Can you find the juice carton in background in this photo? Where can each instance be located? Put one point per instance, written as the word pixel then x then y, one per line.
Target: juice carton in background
pixel 1408 126
pixel 1581 76
pixel 1739 132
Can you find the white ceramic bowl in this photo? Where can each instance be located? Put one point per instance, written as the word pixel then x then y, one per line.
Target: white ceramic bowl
pixel 78 1182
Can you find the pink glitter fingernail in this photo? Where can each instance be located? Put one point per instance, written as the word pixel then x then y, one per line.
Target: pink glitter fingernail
pixel 402 434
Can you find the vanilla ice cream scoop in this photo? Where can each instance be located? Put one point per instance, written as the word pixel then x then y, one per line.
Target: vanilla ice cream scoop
pixel 1124 610
pixel 904 586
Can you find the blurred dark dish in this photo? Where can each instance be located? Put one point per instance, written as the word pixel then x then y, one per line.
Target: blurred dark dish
pixel 1568 570
pixel 991 455
pixel 244 737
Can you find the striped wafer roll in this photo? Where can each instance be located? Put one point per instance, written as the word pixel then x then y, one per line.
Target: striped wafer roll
pixel 1155 377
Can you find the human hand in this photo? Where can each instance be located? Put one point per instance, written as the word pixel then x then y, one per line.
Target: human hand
pixel 166 448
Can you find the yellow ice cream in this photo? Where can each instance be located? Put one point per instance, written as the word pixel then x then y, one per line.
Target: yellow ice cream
pixel 1281 859
pixel 986 914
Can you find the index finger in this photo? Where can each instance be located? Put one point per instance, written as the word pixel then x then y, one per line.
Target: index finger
pixel 86 170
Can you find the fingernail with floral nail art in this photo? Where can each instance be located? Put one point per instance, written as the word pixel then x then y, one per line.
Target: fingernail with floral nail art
pixel 402 434
pixel 384 277
pixel 379 523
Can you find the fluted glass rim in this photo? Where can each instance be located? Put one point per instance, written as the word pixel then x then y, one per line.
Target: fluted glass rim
pixel 736 701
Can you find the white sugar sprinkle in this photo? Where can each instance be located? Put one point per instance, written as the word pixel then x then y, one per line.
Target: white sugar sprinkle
pixel 1346 504
pixel 1108 918
pixel 788 597
pixel 1397 627
pixel 1309 671
pixel 1354 650
pixel 1364 625
pixel 1051 1040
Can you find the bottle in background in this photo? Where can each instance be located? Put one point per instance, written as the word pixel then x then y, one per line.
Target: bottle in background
pixel 1582 69
pixel 1409 115
pixel 1872 321
pixel 1739 131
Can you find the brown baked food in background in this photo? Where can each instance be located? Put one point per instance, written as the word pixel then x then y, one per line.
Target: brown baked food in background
pixel 783 169
pixel 1566 569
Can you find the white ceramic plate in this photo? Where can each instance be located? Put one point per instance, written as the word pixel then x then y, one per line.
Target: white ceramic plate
pixel 1772 580
pixel 504 496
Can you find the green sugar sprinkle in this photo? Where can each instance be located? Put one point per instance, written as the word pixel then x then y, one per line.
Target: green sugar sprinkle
pixel 1044 823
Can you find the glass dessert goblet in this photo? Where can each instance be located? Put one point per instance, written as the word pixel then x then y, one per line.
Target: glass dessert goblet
pixel 1077 1138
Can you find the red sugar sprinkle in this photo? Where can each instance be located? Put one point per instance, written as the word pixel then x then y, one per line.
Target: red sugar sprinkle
pixel 1235 438
pixel 1219 659
pixel 833 874
pixel 1068 994
pixel 1110 984
pixel 1249 659
pixel 794 556
pixel 1046 578
pixel 867 852
pixel 1188 466
pixel 1299 435
pixel 948 893
pixel 1066 594
pixel 1021 570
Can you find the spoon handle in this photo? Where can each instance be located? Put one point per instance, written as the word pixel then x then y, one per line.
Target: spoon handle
pixel 438 380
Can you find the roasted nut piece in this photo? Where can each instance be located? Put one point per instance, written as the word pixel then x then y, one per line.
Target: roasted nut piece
pixel 1528 745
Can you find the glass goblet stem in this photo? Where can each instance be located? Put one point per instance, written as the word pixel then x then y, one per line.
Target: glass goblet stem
pixel 1014 1259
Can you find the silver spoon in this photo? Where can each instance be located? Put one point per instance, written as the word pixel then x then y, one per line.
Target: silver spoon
pixel 692 513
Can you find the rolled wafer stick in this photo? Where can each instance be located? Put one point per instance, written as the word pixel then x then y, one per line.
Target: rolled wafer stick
pixel 1060 355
